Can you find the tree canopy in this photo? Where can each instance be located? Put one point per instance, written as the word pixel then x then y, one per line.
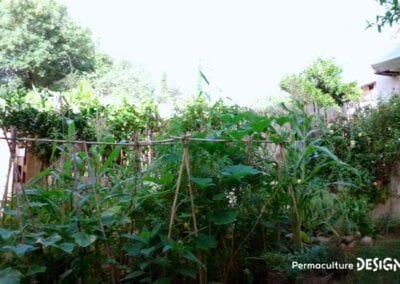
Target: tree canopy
pixel 389 17
pixel 321 83
pixel 40 44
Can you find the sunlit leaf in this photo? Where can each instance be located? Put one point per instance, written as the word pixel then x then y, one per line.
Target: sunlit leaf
pixel 239 171
pixel 67 247
pixel 10 276
pixel 202 182
pixel 6 234
pixel 20 249
pixel 49 241
pixel 83 239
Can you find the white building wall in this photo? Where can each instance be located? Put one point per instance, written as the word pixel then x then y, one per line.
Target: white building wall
pixel 4 158
pixel 386 86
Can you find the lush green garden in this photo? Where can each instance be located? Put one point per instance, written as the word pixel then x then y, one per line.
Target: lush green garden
pixel 214 193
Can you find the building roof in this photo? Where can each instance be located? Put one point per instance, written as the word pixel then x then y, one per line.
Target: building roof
pixel 389 65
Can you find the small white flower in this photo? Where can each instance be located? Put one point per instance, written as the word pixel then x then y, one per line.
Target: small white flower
pixel 352 143
pixel 360 134
pixel 299 181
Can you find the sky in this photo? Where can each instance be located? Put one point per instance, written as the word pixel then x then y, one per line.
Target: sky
pixel 243 47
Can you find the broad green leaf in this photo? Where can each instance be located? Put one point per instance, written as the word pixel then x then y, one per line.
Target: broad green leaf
pixel 35 269
pixel 168 245
pixel 227 117
pixel 6 234
pixel 189 272
pixel 277 139
pixel 20 249
pixel 133 249
pixel 202 182
pixel 165 179
pixel 67 247
pixel 39 176
pixel 205 242
pixel 219 197
pixel 239 134
pixel 240 171
pixel 261 125
pixel 10 276
pixel 136 238
pixel 305 238
pixel 111 211
pixel 83 239
pixel 223 216
pixel 148 251
pixel 66 274
pixel 133 275
pixel 327 152
pixel 10 212
pixel 155 230
pixel 162 261
pixel 49 241
pixel 282 120
pixel 143 265
pixel 114 154
pixel 37 204
pixel 190 256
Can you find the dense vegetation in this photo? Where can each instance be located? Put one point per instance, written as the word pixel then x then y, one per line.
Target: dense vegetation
pixel 243 209
pixel 230 195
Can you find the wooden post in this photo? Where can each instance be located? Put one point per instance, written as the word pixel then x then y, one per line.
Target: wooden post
pixel 13 157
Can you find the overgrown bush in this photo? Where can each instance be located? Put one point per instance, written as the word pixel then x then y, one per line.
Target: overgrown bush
pixel 108 215
pixel 370 142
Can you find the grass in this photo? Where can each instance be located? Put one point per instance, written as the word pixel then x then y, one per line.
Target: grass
pixel 385 246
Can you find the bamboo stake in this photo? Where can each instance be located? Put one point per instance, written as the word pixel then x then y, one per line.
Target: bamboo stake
pixel 75 185
pixel 173 208
pixel 187 163
pixel 59 141
pixel 172 140
pixel 15 183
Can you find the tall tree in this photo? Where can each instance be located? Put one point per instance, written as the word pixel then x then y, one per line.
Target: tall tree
pixel 121 82
pixel 40 44
pixel 321 83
